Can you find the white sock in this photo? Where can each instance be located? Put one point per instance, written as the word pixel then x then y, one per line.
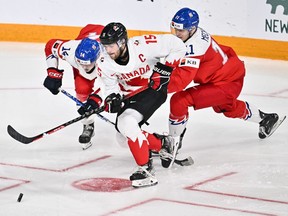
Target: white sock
pixel 253 113
pixel 177 125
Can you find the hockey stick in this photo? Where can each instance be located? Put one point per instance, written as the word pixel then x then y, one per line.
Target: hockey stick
pixel 79 103
pixel 184 162
pixel 181 162
pixel 26 140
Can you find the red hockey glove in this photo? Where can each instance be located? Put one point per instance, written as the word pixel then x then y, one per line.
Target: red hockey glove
pixel 53 80
pixel 93 102
pixel 113 103
pixel 160 77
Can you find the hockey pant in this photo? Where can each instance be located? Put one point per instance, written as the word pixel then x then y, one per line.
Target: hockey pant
pixel 83 88
pixel 222 98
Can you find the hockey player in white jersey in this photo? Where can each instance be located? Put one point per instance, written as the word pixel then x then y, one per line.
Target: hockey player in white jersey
pixel 127 66
pixel 82 55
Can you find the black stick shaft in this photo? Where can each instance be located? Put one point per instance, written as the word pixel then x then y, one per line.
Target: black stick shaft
pixel 26 140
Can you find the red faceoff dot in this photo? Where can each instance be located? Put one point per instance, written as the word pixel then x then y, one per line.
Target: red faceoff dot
pixel 103 184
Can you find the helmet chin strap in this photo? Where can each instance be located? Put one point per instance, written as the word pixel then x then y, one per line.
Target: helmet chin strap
pixel 123 56
pixel 89 72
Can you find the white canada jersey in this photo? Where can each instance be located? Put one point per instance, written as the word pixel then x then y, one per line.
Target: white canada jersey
pixel 144 52
pixel 66 50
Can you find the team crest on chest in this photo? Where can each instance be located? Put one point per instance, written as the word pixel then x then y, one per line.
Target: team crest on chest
pixel 133 74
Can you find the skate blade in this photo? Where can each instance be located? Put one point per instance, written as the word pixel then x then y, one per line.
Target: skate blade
pixel 86 145
pixel 279 122
pixel 151 181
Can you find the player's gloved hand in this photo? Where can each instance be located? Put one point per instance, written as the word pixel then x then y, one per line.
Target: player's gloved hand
pixel 113 103
pixel 93 102
pixel 53 80
pixel 160 76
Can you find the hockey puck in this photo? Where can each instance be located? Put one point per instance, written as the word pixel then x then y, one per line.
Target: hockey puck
pixel 20 197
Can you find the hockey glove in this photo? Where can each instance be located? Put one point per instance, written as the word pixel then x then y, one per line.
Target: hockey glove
pixel 113 103
pixel 93 102
pixel 53 80
pixel 160 76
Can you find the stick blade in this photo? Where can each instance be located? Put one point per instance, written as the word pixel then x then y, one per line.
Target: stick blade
pixel 188 162
pixel 185 162
pixel 19 137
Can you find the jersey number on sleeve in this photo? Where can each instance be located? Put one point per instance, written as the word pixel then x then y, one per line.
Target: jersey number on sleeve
pixel 150 39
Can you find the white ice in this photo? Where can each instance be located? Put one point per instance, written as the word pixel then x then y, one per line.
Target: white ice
pixel 234 173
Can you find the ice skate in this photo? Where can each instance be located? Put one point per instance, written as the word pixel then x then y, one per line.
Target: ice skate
pixel 144 176
pixel 85 137
pixel 168 151
pixel 154 153
pixel 269 123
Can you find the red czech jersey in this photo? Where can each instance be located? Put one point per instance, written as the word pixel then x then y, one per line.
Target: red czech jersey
pixel 208 62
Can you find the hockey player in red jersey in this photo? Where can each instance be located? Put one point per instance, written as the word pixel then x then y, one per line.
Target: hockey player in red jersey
pixel 218 74
pixel 81 54
pixel 127 66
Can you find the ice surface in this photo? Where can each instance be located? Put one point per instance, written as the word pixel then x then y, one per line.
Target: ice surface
pixel 234 173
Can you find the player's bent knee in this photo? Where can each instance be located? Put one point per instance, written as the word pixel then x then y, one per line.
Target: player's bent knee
pixel 127 124
pixel 179 104
pixel 82 93
pixel 238 111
